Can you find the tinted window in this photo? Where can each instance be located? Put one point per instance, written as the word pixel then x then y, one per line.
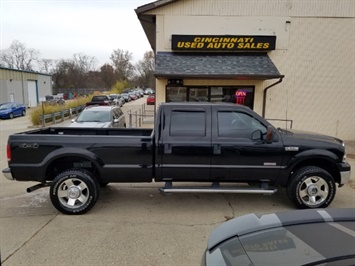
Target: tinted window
pixel 188 123
pixel 238 125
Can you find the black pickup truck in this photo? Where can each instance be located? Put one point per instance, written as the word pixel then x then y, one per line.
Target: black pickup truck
pixel 100 100
pixel 229 146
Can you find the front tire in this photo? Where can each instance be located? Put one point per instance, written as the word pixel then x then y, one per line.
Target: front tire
pixel 74 192
pixel 311 187
pixel 11 115
pixel 23 112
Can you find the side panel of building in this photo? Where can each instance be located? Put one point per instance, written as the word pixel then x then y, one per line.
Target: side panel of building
pixel 222 25
pixel 318 89
pixel 276 8
pixel 15 86
pixel 44 86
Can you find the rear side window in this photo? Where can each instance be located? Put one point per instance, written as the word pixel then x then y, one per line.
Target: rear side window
pixel 188 123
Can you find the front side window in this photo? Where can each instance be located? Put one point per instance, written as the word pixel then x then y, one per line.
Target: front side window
pixel 188 123
pixel 238 125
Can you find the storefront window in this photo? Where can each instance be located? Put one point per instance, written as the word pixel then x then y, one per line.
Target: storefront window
pixel 176 94
pixel 198 94
pixel 237 94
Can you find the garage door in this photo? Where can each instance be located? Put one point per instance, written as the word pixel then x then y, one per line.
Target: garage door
pixel 32 93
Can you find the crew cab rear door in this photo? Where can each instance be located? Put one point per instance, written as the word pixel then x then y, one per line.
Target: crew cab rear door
pixel 184 148
pixel 237 155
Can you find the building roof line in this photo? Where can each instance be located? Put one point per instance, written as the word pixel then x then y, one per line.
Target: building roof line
pixel 25 71
pixel 153 5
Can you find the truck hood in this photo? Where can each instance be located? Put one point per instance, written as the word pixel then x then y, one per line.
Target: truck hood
pixel 90 124
pixel 305 135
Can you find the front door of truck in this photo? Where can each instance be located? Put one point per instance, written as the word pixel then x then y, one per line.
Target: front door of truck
pixel 240 150
pixel 184 147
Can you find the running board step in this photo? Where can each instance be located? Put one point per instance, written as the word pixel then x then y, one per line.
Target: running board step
pixel 215 188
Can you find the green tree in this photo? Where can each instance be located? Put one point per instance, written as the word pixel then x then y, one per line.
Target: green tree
pixel 119 86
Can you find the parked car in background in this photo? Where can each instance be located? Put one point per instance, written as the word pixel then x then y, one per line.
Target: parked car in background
pixel 54 100
pixel 300 237
pixel 126 97
pixel 148 91
pixel 138 94
pixel 11 110
pixel 132 95
pixel 100 100
pixel 117 99
pixel 151 99
pixel 100 117
pixel 141 92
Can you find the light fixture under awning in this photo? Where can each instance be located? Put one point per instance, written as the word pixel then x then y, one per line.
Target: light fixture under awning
pixel 249 66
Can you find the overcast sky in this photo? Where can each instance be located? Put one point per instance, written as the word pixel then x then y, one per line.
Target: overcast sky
pixel 58 29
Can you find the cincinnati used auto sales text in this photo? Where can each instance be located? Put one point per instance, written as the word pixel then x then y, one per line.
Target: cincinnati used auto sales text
pixel 223 43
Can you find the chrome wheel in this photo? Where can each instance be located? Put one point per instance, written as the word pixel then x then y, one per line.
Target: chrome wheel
pixel 73 193
pixel 313 191
pixel 311 187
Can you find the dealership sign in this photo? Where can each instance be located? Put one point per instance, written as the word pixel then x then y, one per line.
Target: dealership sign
pixel 223 42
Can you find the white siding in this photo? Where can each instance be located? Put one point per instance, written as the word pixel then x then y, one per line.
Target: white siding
pixel 294 8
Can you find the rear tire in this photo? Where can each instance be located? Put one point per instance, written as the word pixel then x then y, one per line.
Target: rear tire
pixel 23 112
pixel 311 187
pixel 74 192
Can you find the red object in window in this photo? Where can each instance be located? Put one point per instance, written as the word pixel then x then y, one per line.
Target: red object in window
pixel 240 100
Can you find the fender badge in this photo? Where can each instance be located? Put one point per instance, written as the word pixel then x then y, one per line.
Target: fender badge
pixel 269 164
pixel 292 148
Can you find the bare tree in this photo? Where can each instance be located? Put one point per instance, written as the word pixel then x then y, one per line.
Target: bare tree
pixel 145 69
pixel 84 63
pixel 19 57
pixel 108 75
pixel 46 65
pixel 122 62
pixel 76 73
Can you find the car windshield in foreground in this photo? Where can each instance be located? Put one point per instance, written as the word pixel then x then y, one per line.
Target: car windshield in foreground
pixel 94 116
pixel 305 244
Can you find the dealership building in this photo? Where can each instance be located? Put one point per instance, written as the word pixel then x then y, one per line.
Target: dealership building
pixel 25 87
pixel 289 60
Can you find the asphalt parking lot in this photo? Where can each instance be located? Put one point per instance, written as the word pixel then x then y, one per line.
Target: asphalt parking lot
pixel 131 224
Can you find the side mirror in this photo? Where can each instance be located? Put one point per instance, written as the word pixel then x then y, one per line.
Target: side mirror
pixel 257 136
pixel 73 120
pixel 116 120
pixel 269 134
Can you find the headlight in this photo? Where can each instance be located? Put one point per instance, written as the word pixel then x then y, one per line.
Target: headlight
pixel 344 157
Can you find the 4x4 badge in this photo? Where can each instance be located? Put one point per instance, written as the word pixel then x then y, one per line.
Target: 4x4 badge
pixel 29 145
